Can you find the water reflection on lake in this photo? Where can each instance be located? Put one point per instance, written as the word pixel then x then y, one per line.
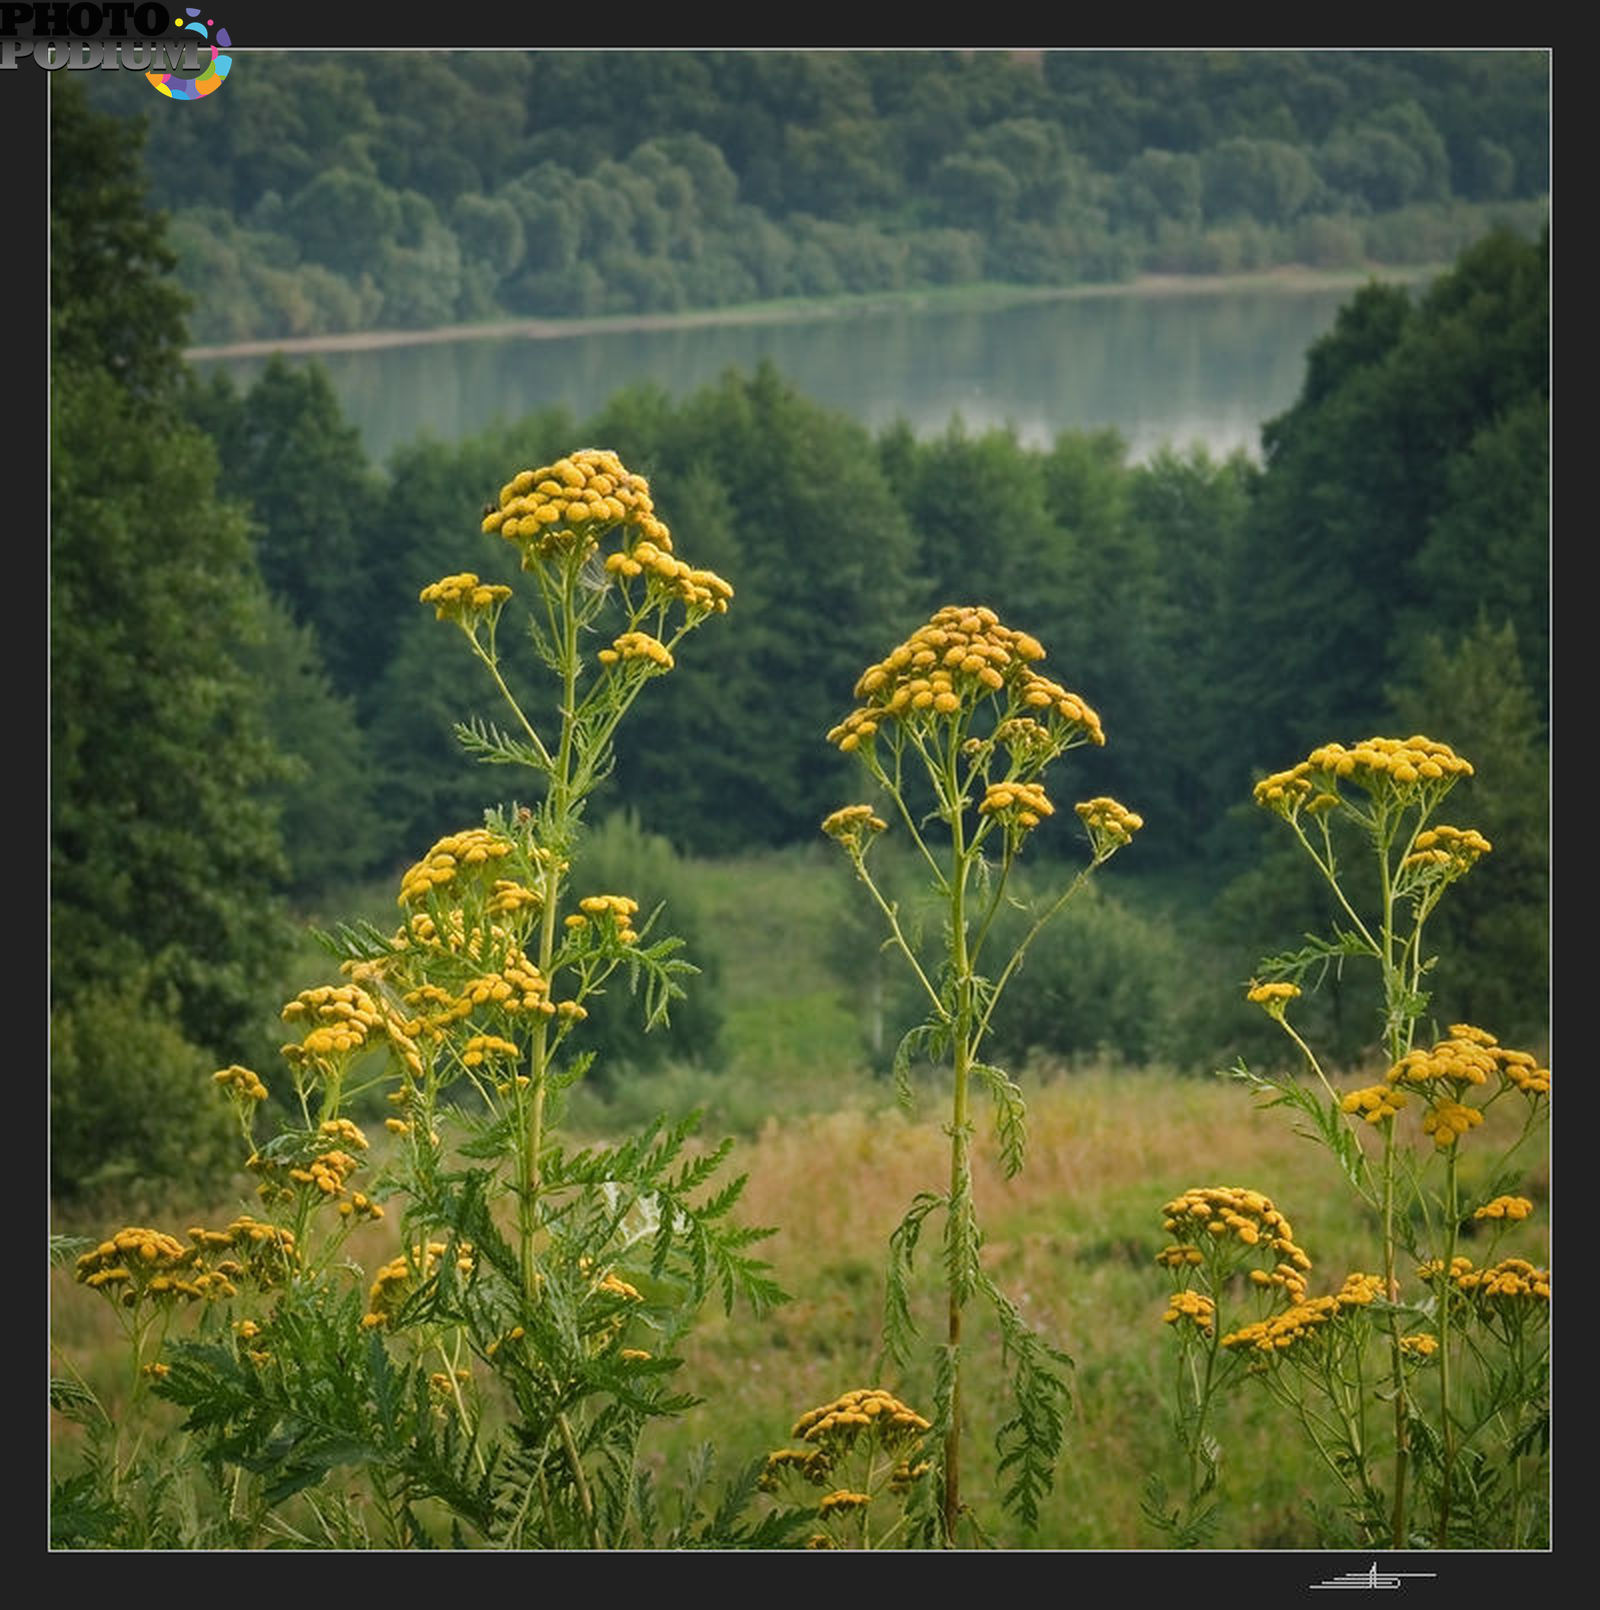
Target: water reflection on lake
pixel 1176 368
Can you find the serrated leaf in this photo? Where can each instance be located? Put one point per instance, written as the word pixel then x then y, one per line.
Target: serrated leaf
pixel 1010 1116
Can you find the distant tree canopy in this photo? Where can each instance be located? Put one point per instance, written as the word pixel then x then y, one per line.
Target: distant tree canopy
pixel 164 856
pixel 1404 493
pixel 343 191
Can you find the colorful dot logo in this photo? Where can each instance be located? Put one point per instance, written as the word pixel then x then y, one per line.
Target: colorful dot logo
pixel 182 88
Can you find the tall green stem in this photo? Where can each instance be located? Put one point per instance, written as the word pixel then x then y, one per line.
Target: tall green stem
pixel 960 1164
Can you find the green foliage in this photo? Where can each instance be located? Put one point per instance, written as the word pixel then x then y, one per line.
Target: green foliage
pixel 1104 980
pixel 344 191
pixel 287 453
pixel 621 854
pixel 1495 931
pixel 131 1104
pixel 164 850
pixel 791 499
pixel 327 805
pixel 1400 414
pixel 115 316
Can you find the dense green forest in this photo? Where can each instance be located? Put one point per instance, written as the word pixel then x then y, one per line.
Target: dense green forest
pixel 251 713
pixel 348 191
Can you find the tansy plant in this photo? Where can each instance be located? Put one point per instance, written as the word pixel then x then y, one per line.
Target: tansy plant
pixel 864 1454
pixel 1421 1384
pixel 957 727
pixel 490 1373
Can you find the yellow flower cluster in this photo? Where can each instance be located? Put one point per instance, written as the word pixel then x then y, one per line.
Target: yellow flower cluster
pixel 834 1429
pixel 342 1018
pixel 372 973
pixel 1020 806
pixel 702 591
pixel 327 1172
pixel 399 1278
pixel 519 986
pixel 614 1285
pixel 1470 1056
pixel 1455 848
pixel 1519 1069
pixel 1289 1278
pixel 268 1251
pixel 483 1046
pixel 1193 1306
pixel 1305 1318
pixel 637 646
pixel 1461 1060
pixel 1434 1267
pixel 947 667
pixel 1223 1210
pixel 1109 823
pixel 138 1264
pixel 851 824
pixel 1505 1207
pixel 135 1259
pixel 1358 1290
pixel 1423 1345
pixel 464 598
pixel 1379 764
pixel 904 1473
pixel 443 1383
pixel 475 847
pixel 343 1129
pixel 1025 740
pixel 566 506
pixel 506 899
pixel 810 1464
pixel 1510 1280
pixel 451 936
pixel 1375 1103
pixel 1274 997
pixel 843 1499
pixel 1507 1281
pixel 618 907
pixel 241 1082
pixel 836 1425
pixel 1448 1121
pixel 516 986
pixel 1523 1071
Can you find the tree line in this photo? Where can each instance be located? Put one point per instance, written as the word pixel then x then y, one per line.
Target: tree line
pixel 251 709
pixel 350 191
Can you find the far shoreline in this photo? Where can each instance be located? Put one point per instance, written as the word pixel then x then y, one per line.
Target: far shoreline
pixel 801 310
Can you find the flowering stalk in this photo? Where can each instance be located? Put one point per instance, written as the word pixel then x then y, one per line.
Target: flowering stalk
pixel 1388 790
pixel 862 1447
pixel 478 990
pixel 959 714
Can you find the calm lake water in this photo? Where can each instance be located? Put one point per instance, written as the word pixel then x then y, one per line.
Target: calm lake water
pixel 1172 368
